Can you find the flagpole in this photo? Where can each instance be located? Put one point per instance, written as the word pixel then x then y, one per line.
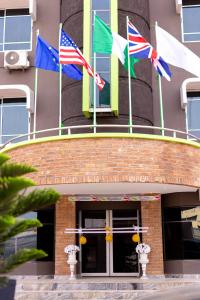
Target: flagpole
pixel 94 87
pixel 129 83
pixel 162 125
pixel 35 93
pixel 60 86
pixel 161 105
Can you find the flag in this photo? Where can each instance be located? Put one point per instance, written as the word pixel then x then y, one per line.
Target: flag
pixel 108 42
pixel 70 54
pixel 140 48
pixel 176 53
pixel 47 58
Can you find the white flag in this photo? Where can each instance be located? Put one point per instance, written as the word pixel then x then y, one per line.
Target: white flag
pixel 175 53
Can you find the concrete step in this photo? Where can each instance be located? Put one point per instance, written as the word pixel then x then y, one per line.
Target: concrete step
pixel 51 285
pixel 82 295
pixel 61 288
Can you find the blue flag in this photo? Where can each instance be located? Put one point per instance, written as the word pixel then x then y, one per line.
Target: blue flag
pixel 47 58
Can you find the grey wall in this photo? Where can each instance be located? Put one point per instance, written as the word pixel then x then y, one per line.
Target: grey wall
pixel 164 11
pixel 48 18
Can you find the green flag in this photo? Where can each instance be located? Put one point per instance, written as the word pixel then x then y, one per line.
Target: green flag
pixel 108 42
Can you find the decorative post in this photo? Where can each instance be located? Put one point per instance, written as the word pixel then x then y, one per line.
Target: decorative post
pixel 72 261
pixel 143 250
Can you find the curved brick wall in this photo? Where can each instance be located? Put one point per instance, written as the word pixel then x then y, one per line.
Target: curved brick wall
pixel 105 160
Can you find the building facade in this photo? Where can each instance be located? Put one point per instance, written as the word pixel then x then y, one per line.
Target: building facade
pixel 112 182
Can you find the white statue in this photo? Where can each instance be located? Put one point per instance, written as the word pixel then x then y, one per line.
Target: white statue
pixel 72 261
pixel 143 250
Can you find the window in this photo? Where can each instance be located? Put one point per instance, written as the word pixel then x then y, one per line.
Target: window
pixel 181 233
pixel 13 119
pixel 102 9
pixel 193 113
pixel 15 29
pixel 191 20
pixel 106 65
pixel 41 238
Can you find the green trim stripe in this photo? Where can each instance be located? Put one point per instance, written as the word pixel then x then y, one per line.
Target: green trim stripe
pixel 86 53
pixel 114 61
pixel 103 135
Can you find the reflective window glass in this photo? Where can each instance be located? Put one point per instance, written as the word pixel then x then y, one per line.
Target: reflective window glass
pixel 17 46
pixel 1 29
pixel 191 23
pixel 15 30
pixel 104 15
pixel 102 64
pixel 193 113
pixel 181 233
pixel 100 4
pixel 14 119
pixel 22 26
pixel 102 9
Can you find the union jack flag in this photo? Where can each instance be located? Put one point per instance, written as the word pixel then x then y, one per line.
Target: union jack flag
pixel 69 53
pixel 140 48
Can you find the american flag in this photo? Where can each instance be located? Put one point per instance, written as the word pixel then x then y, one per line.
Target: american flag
pixel 69 53
pixel 140 48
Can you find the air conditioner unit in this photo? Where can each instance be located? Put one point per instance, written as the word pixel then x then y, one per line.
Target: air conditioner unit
pixel 16 59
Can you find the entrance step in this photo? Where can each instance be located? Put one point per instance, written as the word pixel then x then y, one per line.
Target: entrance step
pixel 61 288
pixel 82 295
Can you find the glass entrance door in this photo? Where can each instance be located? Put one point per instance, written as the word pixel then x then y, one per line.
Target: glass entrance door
pixel 94 254
pixel 115 258
pixel 123 257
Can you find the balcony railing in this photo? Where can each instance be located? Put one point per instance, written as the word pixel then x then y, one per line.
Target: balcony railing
pixel 91 129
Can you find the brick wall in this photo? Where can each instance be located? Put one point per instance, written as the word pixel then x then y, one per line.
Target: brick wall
pixel 93 160
pixel 65 218
pixel 151 217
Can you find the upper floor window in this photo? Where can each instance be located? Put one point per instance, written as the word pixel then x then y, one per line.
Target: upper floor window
pixel 103 63
pixel 193 113
pixel 191 20
pixel 15 29
pixel 13 118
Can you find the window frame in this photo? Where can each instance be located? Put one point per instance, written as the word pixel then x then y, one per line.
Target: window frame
pixel 114 90
pixel 1 120
pixel 187 86
pixel 18 43
pixel 197 98
pixel 182 24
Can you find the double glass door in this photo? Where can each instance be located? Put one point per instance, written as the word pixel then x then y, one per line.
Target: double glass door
pixel 117 257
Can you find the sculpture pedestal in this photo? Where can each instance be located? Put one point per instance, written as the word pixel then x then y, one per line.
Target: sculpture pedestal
pixel 72 261
pixel 143 250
